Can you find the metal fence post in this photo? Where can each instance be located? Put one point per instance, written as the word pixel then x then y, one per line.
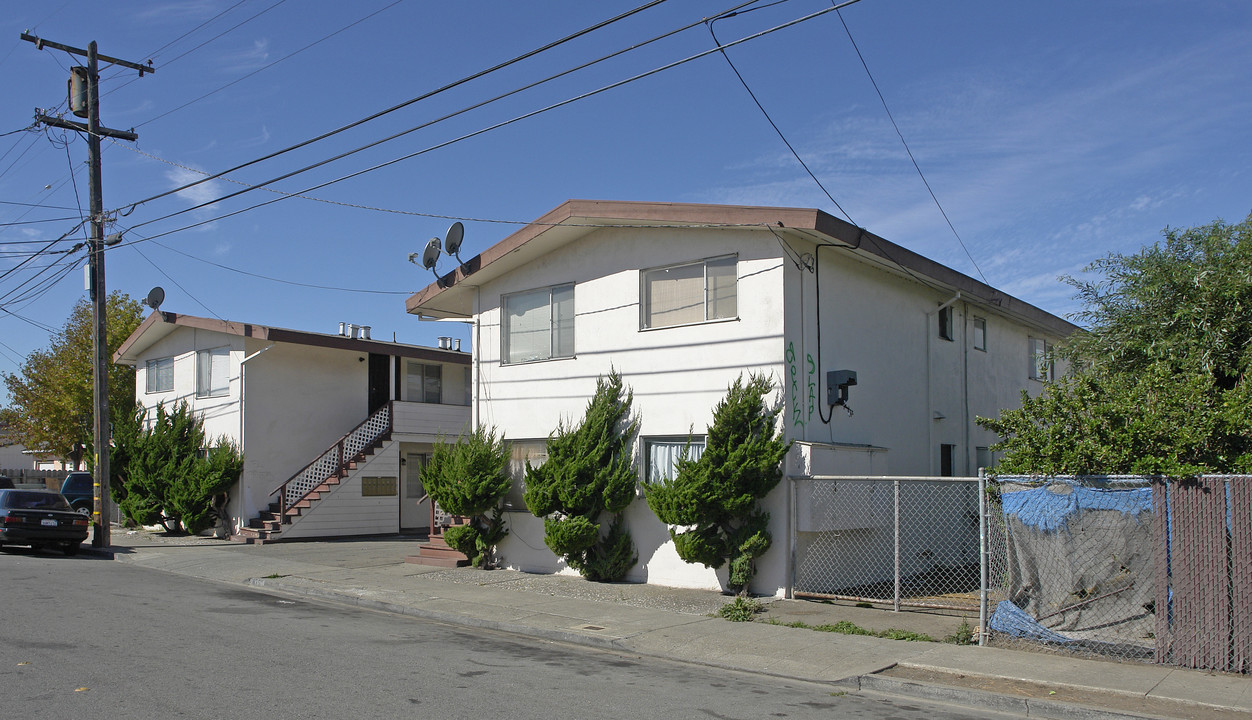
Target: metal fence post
pixel 896 594
pixel 983 553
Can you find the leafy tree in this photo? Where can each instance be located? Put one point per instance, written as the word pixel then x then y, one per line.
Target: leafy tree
pixel 590 472
pixel 1161 381
pixel 51 399
pixel 715 498
pixel 470 478
pixel 173 478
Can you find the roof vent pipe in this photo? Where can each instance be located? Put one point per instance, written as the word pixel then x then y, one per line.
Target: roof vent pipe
pixel 341 328
pixel 365 332
pixel 351 330
pixel 458 344
pixel 445 343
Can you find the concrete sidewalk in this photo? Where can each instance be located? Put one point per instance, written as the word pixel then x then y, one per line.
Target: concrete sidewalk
pixel 680 625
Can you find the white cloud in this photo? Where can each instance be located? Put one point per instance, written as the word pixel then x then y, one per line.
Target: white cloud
pixel 245 59
pixel 198 194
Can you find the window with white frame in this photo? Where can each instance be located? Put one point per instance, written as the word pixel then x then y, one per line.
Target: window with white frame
pixel 1040 360
pixel 423 383
pixel 213 372
pixel 538 324
pixel 160 375
pixel 689 293
pixel 979 332
pixel 663 454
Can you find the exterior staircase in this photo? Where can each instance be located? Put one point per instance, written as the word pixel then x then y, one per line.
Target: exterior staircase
pixel 318 479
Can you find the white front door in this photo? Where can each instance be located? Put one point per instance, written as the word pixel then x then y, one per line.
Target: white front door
pixel 414 512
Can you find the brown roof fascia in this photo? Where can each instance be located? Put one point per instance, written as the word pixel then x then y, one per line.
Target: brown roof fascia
pixel 806 220
pixel 298 337
pixel 604 212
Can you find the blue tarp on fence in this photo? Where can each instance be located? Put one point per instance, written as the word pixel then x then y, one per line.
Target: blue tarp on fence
pixel 1048 510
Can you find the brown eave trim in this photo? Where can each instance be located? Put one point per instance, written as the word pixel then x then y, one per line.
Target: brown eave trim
pixel 296 337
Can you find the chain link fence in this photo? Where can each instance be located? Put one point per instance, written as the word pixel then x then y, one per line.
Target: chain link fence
pixel 1129 568
pixel 903 541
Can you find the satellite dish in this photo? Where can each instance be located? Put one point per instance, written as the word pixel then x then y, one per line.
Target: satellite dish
pixel 456 234
pixel 156 296
pixel 431 254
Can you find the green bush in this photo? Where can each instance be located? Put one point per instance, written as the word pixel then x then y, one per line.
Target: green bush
pixel 590 472
pixel 470 478
pixel 715 498
pixel 172 478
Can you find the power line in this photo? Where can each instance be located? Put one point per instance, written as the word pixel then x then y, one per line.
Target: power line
pixel 916 167
pixel 177 284
pixel 773 124
pixel 267 67
pixel 406 103
pixel 466 136
pixel 273 279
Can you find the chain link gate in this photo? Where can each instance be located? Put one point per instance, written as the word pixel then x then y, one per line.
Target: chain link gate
pixel 902 541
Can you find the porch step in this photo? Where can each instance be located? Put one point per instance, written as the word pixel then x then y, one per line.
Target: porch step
pixel 254 536
pixel 437 553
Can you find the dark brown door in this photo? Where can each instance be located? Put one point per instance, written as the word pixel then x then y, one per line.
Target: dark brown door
pixel 380 381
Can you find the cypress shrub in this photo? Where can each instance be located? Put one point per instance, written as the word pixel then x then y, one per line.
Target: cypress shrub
pixel 469 477
pixel 590 473
pixel 714 500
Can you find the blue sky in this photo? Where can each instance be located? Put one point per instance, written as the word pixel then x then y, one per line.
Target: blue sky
pixel 1052 134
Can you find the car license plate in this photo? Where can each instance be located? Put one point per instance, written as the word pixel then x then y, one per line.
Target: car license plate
pixel 48 522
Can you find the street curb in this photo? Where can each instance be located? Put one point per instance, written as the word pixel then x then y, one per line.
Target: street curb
pixel 1027 707
pixel 615 645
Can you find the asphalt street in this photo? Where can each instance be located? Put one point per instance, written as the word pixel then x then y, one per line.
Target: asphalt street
pixel 86 637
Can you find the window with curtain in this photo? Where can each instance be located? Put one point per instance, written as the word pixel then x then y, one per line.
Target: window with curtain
pixel 213 372
pixel 538 324
pixel 690 293
pixel 160 375
pixel 663 454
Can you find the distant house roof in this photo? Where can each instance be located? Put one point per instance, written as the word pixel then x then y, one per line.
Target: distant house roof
pixel 452 295
pixel 160 324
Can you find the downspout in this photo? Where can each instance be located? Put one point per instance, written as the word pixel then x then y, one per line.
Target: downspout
pixel 965 386
pixel 476 355
pixel 930 400
pixel 245 501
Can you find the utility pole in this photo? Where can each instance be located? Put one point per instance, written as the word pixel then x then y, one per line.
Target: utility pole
pixel 99 336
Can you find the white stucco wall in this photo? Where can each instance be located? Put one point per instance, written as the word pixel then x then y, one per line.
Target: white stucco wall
pixel 879 323
pixel 677 374
pixel 300 400
pixel 220 414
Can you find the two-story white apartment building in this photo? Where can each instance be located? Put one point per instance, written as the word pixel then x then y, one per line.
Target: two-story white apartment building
pixel 334 428
pixel 681 299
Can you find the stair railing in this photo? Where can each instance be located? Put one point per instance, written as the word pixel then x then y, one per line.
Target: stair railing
pixel 334 461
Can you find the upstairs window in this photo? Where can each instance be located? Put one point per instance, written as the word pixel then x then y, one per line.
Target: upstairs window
pixel 539 324
pixel 160 375
pixel 945 323
pixel 690 293
pixel 1040 360
pixel 423 383
pixel 213 372
pixel 979 334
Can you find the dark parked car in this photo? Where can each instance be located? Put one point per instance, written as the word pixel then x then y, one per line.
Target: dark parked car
pixel 78 488
pixel 6 482
pixel 40 518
